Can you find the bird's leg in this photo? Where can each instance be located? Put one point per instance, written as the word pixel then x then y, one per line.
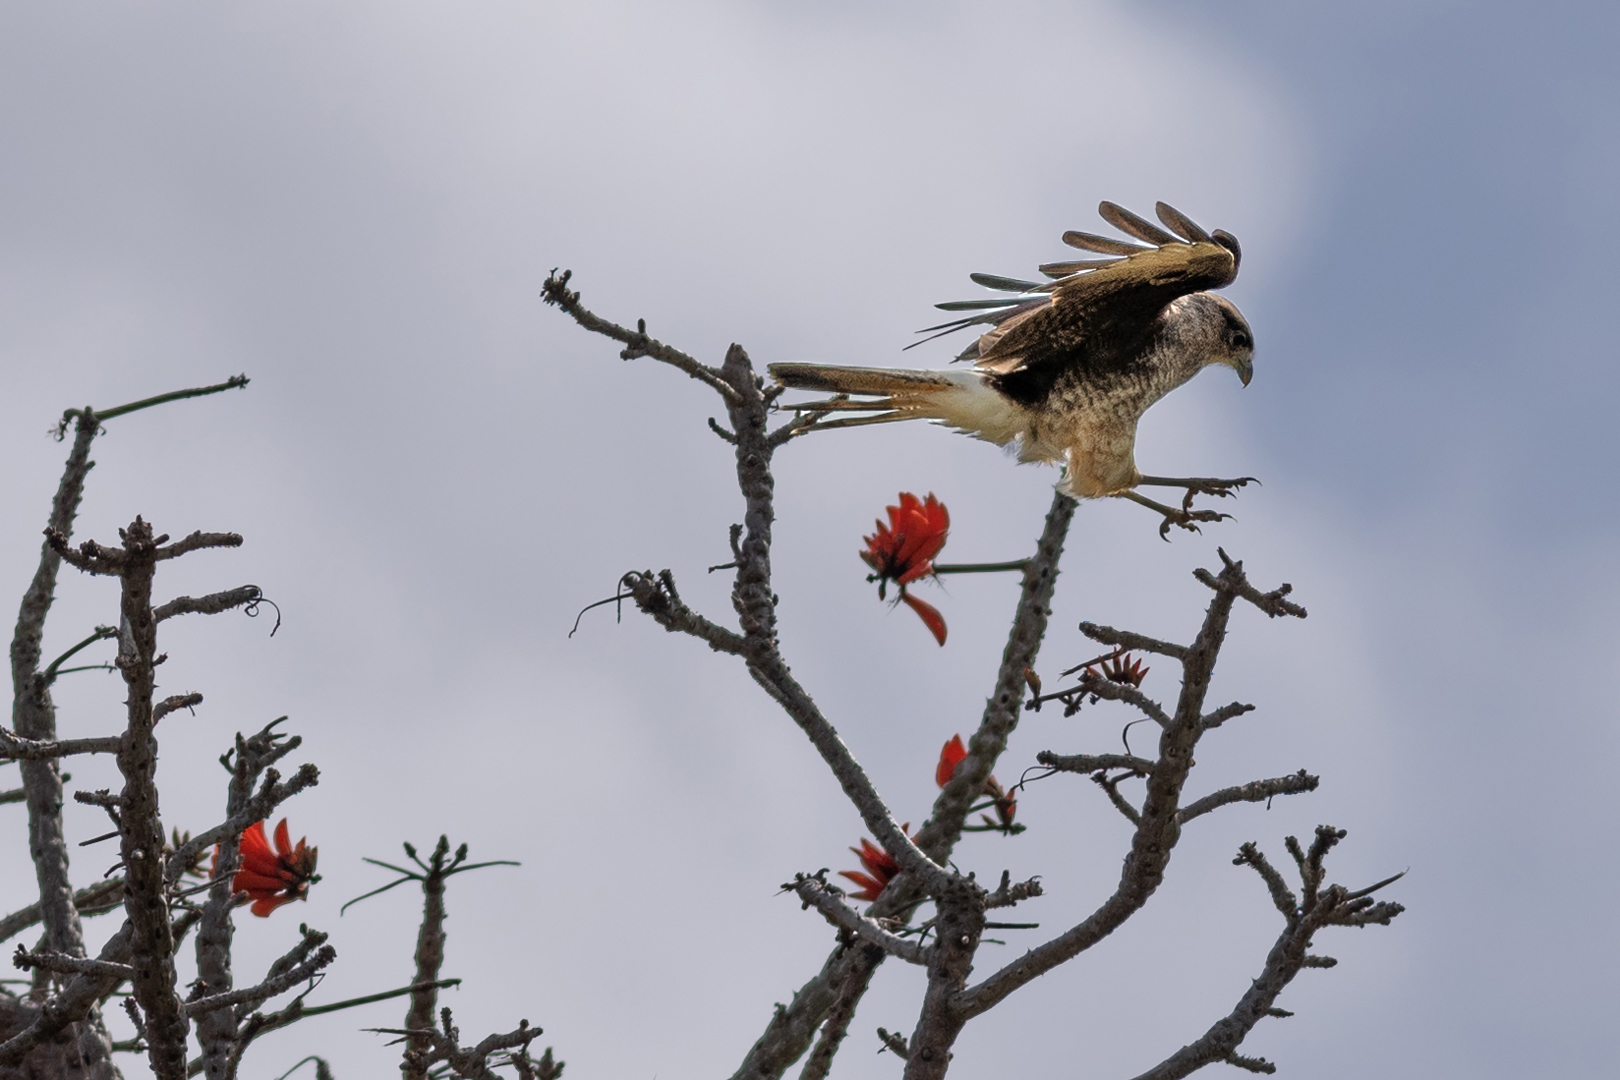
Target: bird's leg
pixel 1199 485
pixel 1183 517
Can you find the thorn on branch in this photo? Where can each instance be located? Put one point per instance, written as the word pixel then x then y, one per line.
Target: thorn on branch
pixel 894 1044
pixel 1254 1065
pixel 555 291
pixel 1232 580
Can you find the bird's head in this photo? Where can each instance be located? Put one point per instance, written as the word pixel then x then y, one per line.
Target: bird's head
pixel 1234 341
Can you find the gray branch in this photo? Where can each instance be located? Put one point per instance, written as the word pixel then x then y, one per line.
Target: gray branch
pixel 93 900
pixel 279 984
pixel 63 964
pixel 1158 827
pixel 656 595
pixel 1287 958
pixel 1090 763
pixel 212 604
pixel 1225 713
pixel 1254 791
pixel 33 717
pixel 816 893
pixel 18 748
pixel 220 1032
pixel 471 1062
pixel 636 341
pixel 271 795
pixel 1125 639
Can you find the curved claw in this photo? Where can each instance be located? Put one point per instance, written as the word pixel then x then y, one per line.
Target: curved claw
pixel 1186 517
pixel 1183 517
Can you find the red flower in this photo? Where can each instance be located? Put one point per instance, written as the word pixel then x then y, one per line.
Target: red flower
pixel 1006 805
pixel 881 869
pixel 927 612
pixel 903 551
pixel 1123 669
pixel 272 878
pixel 950 756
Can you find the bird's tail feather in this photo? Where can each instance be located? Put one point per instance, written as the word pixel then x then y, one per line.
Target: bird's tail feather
pixel 962 399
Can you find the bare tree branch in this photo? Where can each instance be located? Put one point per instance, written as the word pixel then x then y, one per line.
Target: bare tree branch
pixel 1254 791
pixel 269 988
pixel 1158 827
pixel 272 793
pixel 657 596
pixel 1288 956
pixel 1125 639
pixel 212 604
pixel 816 893
pixel 847 971
pixel 20 749
pixel 471 1062
pixel 636 341
pixel 429 959
pixel 1090 763
pixel 33 717
pixel 61 963
pixel 91 901
pixel 218 1031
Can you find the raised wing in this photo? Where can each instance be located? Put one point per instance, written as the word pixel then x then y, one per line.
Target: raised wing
pixel 1096 311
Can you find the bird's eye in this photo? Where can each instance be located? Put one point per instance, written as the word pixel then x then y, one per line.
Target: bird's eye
pixel 1241 340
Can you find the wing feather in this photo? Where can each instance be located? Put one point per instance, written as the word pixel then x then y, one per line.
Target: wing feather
pixel 1095 308
pixel 1139 227
pixel 1102 244
pixel 1005 284
pixel 1180 223
pixel 1064 269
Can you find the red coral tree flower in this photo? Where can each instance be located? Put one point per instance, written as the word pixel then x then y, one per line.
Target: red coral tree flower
pixel 952 754
pixel 903 551
pixel 272 877
pixel 1123 669
pixel 880 868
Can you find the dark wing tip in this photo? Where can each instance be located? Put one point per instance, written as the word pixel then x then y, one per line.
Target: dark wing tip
pixel 1004 284
pixel 1127 222
pixel 1104 245
pixel 1229 242
pixel 1180 223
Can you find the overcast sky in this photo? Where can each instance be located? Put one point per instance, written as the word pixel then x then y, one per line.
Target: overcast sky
pixel 356 205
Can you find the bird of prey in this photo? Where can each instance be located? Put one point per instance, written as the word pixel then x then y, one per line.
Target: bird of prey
pixel 1069 366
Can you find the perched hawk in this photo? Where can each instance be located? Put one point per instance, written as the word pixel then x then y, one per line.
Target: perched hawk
pixel 1069 367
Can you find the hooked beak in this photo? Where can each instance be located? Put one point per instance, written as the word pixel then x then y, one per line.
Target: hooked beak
pixel 1244 366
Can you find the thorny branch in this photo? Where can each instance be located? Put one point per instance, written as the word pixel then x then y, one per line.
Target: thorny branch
pixel 829 900
pixel 1253 791
pixel 429 958
pixel 312 954
pixel 218 1032
pixel 98 898
pixel 444 1044
pixel 747 404
pixel 1334 906
pixel 80 996
pixel 1159 824
pixel 960 903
